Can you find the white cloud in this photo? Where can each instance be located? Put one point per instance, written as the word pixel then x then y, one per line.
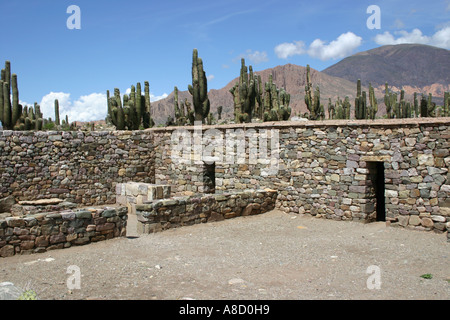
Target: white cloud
pixel 343 46
pixel 154 98
pixel 85 108
pixel 285 50
pixel 210 77
pixel 254 57
pixel 257 57
pixel 440 39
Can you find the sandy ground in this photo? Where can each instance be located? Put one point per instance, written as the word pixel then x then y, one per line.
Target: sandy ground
pixel 274 256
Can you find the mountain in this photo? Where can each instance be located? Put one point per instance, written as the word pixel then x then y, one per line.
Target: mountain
pixel 411 65
pixel 291 77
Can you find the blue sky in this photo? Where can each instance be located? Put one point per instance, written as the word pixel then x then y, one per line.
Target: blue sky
pixel 121 43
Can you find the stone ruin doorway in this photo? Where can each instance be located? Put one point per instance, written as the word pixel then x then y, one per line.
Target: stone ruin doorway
pixel 376 191
pixel 209 177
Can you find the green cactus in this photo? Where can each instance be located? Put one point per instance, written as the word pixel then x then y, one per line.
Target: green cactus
pixel 199 89
pixel 219 112
pixel 360 103
pixel 446 110
pixel 373 103
pixel 388 101
pixel 416 105
pixel 6 118
pixel 246 95
pixel 147 120
pixel 276 102
pixel 57 122
pixel 180 115
pixel 108 114
pixel 312 103
pixel 133 112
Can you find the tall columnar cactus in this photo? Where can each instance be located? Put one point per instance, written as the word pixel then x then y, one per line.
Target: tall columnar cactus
pixel 147 119
pixel 318 107
pixel 312 104
pixel 331 110
pixel 276 102
pixel 180 114
pixel 446 111
pixel 343 108
pixel 246 95
pixel 360 103
pixel 388 102
pixel 219 112
pixel 373 103
pixel 416 106
pixel 199 89
pixel 134 111
pixel 10 112
pixel 427 106
pixel 57 121
pixel 108 114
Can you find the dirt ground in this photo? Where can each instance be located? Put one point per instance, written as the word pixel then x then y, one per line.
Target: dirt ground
pixel 273 256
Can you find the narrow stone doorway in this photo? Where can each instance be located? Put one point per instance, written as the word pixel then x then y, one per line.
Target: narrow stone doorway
pixel 209 177
pixel 376 190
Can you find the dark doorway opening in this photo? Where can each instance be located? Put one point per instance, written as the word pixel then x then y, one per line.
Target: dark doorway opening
pixel 376 173
pixel 209 177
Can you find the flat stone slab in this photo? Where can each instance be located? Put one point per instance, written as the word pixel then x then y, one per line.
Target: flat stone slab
pixel 41 202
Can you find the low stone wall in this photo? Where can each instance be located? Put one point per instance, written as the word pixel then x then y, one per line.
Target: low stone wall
pixel 48 231
pixel 166 214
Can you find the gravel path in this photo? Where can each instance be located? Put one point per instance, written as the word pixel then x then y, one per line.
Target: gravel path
pixel 272 256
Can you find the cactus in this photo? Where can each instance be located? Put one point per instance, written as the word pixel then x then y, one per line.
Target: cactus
pixel 446 107
pixel 180 115
pixel 311 102
pixel 331 110
pixel 108 114
pixel 6 117
pixel 147 120
pixel 360 103
pixel 416 105
pixel 133 112
pixel 246 95
pixel 199 89
pixel 276 102
pixel 57 122
pixel 219 112
pixel 373 103
pixel 388 101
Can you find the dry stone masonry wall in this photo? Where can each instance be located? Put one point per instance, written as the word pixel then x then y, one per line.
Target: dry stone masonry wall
pixel 161 215
pixel 327 169
pixel 79 167
pixel 58 230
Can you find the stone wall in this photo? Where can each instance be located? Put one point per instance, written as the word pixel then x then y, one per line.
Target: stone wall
pixel 79 167
pixel 59 230
pixel 161 215
pixel 324 168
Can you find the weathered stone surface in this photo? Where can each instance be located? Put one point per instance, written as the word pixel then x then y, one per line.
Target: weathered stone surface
pixel 6 204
